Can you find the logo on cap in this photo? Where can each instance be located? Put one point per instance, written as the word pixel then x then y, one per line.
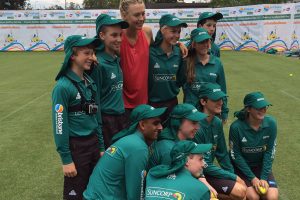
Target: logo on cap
pixel 216 90
pixel 175 19
pixel 152 108
pixel 260 99
pixel 194 110
pixel 201 33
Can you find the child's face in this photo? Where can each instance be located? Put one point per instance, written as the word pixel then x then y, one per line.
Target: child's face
pixel 135 15
pixel 112 37
pixel 202 48
pixel 210 26
pixel 84 58
pixel 171 34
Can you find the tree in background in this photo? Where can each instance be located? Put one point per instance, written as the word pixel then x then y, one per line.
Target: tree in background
pixel 14 5
pixel 55 7
pixel 100 4
pixel 227 3
pixel 73 6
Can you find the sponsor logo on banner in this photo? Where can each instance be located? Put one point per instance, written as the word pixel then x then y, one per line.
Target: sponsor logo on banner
pixel 58 14
pixel 59 118
pixel 33 15
pixel 247 10
pixel 225 12
pixel 164 193
pixel 187 13
pixel 274 9
pixel 160 12
pixel 7 15
pixel 110 13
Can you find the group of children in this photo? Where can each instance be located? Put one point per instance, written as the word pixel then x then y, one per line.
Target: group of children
pixel 121 133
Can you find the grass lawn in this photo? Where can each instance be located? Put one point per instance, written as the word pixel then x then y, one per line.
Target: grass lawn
pixel 30 168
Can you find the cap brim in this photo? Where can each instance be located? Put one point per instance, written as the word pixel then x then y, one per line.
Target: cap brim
pixel 197 116
pixel 121 23
pixel 202 38
pixel 217 95
pixel 201 148
pixel 179 23
pixel 157 112
pixel 217 16
pixel 261 104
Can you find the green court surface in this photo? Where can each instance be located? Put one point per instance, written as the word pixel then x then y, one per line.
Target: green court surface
pixel 30 168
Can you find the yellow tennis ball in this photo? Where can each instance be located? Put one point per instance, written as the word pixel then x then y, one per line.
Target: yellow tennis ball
pixel 262 190
pixel 291 74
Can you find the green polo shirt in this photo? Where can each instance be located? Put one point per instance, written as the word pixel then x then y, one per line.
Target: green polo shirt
pixel 212 133
pixel 250 148
pixel 180 185
pixel 72 124
pixel 108 77
pixel 212 72
pixel 215 50
pixel 121 172
pixel 165 74
pixel 160 150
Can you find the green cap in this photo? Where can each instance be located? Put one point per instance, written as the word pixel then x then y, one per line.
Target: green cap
pixel 145 111
pixel 139 113
pixel 179 154
pixel 106 20
pixel 210 15
pixel 199 35
pixel 256 100
pixel 74 41
pixel 212 91
pixel 187 111
pixel 171 20
pixel 185 147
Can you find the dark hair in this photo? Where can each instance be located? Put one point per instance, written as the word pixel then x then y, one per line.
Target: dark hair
pixel 199 105
pixel 190 65
pixel 203 21
pixel 76 49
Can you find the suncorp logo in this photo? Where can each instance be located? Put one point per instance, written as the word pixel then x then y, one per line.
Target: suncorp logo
pixel 164 193
pixel 165 77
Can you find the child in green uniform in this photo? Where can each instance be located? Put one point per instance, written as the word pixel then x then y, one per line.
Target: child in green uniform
pixel 108 76
pixel 165 65
pixel 178 180
pixel 183 123
pixel 252 141
pixel 222 178
pixel 122 170
pixel 201 67
pixel 76 126
pixel 208 20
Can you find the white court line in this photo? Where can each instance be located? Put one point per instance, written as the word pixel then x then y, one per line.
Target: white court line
pixel 290 95
pixel 21 107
